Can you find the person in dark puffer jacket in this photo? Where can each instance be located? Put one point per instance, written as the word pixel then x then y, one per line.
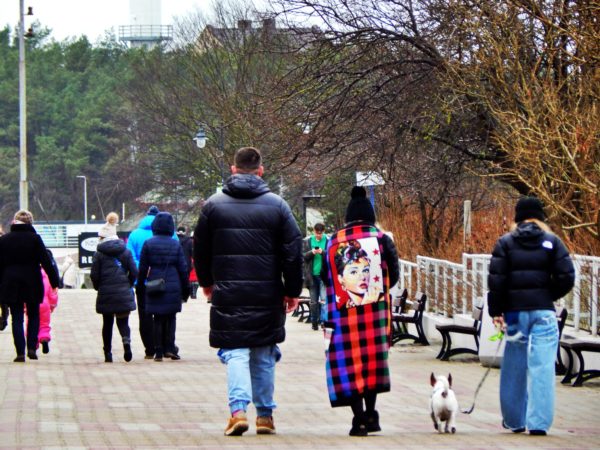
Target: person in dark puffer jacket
pixel 530 269
pixel 21 253
pixel 248 258
pixel 113 274
pixel 162 257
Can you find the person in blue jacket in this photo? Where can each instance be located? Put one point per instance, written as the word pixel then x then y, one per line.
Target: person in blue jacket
pixel 162 257
pixel 135 242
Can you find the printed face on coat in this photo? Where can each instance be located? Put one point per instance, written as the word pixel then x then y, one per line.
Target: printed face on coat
pixel 358 278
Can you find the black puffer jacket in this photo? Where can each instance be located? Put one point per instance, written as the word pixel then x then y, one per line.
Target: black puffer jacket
pixel 529 270
pixel 162 257
pixel 21 253
pixel 248 246
pixel 113 274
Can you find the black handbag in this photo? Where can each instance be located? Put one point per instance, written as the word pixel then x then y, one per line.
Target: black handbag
pixel 157 286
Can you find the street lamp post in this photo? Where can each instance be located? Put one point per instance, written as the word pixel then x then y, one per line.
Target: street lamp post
pixel 85 220
pixel 23 191
pixel 201 139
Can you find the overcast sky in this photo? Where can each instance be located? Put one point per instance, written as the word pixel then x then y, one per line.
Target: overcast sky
pixel 72 18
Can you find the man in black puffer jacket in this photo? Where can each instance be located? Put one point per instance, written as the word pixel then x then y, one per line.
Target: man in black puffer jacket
pixel 248 258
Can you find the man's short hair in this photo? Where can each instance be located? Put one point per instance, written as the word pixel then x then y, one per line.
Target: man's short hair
pixel 247 159
pixel 319 227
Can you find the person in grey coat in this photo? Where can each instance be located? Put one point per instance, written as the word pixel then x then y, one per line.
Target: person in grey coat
pixel 162 257
pixel 113 274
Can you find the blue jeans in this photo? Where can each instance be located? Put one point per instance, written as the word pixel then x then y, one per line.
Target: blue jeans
pixel 33 326
pixel 527 372
pixel 251 377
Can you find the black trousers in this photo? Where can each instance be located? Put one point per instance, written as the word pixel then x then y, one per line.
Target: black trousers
pixel 164 333
pixel 107 330
pixel 146 326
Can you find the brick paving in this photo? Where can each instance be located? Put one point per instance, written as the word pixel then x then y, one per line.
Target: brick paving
pixel 71 399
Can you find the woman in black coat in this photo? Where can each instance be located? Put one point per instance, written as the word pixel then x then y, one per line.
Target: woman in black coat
pixel 22 251
pixel 162 258
pixel 113 274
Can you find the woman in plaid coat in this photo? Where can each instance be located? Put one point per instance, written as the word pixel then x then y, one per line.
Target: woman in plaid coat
pixel 362 266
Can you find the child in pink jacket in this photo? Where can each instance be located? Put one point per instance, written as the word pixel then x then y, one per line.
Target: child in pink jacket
pixel 46 308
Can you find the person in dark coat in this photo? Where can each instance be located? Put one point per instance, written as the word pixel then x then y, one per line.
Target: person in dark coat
pixel 530 269
pixel 361 268
pixel 187 246
pixel 113 275
pixel 21 253
pixel 248 258
pixel 162 257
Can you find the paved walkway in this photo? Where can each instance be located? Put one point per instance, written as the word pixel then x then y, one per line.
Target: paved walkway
pixel 71 399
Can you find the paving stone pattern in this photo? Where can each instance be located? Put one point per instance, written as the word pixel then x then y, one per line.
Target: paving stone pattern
pixel 71 399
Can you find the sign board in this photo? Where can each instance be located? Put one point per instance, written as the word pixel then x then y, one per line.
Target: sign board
pixel 369 179
pixel 87 246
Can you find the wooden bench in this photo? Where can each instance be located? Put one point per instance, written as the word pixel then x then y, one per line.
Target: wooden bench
pixel 446 352
pixel 578 347
pixel 400 319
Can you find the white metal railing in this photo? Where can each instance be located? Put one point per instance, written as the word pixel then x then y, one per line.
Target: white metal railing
pixel 56 236
pixel 452 288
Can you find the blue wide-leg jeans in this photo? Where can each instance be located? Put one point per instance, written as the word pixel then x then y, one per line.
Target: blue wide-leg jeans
pixel 251 377
pixel 527 378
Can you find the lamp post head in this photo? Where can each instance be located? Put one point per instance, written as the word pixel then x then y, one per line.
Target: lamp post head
pixel 200 138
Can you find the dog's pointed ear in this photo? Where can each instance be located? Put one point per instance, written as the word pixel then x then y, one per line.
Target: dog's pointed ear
pixel 450 379
pixel 432 379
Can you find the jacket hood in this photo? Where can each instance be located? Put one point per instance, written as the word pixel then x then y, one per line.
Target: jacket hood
pixel 245 185
pixel 163 224
pixel 146 222
pixel 528 234
pixel 112 247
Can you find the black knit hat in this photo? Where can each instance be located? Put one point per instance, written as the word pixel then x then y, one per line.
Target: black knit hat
pixel 529 208
pixel 360 207
pixel 153 210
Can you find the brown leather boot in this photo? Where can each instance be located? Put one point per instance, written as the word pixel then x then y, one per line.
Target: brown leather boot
pixel 265 425
pixel 237 425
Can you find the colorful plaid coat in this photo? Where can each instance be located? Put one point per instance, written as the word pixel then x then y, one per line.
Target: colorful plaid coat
pixel 358 312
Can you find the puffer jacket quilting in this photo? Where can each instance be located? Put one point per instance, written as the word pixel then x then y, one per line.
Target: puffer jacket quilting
pixel 162 257
pixel 248 246
pixel 529 270
pixel 113 274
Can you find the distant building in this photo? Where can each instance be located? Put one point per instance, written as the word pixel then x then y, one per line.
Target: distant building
pixel 296 37
pixel 145 29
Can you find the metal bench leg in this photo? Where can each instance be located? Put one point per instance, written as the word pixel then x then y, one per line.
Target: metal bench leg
pixel 443 349
pixel 579 380
pixel 448 350
pixel 569 374
pixel 421 332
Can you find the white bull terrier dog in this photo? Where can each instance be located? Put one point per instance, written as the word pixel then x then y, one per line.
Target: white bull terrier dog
pixel 443 404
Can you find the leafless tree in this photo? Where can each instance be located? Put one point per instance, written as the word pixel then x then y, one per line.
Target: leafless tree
pixel 510 86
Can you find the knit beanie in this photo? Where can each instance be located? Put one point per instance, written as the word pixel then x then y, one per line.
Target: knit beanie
pixel 529 208
pixel 153 210
pixel 360 207
pixel 109 229
pixel 24 216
